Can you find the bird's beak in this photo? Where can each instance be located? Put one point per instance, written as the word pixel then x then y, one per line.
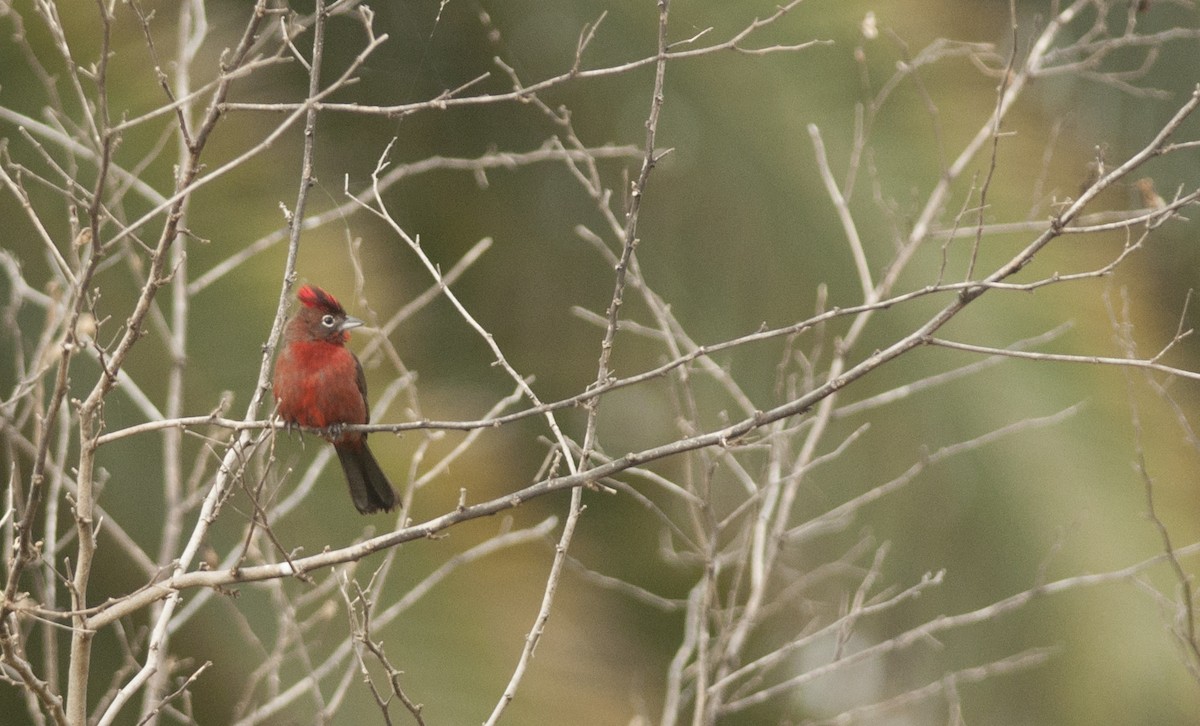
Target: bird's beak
pixel 349 323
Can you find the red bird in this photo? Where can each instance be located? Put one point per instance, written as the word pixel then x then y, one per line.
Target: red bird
pixel 319 384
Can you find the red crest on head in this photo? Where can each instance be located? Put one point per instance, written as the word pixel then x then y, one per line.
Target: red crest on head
pixel 315 297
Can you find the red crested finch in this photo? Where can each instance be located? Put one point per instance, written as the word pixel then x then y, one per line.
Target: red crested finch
pixel 319 384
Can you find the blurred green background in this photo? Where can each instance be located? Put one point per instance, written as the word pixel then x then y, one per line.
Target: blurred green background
pixel 736 231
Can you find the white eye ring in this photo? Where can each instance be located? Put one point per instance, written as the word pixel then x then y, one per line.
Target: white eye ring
pixel 327 321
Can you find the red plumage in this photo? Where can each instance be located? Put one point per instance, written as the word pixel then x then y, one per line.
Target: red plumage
pixel 319 383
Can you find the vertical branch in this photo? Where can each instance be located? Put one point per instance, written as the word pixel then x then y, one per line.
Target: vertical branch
pixel 847 219
pixel 1185 629
pixel 155 278
pixel 629 244
pixel 89 412
pixel 1009 93
pixel 191 29
pixel 996 117
pixel 779 501
pixel 49 574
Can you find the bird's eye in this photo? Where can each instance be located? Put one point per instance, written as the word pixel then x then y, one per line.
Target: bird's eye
pixel 327 321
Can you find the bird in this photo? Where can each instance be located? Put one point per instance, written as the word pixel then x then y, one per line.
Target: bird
pixel 319 384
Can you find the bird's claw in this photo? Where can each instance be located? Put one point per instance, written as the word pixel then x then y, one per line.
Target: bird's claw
pixel 289 427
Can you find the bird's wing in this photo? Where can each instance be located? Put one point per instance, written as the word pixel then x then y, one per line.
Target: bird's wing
pixel 361 379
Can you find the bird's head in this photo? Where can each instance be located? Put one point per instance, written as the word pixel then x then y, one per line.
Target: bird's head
pixel 322 317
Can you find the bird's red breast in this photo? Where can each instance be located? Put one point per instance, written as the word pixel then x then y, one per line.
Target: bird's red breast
pixel 315 385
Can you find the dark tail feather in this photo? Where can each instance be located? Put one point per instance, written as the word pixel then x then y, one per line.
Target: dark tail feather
pixel 369 486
